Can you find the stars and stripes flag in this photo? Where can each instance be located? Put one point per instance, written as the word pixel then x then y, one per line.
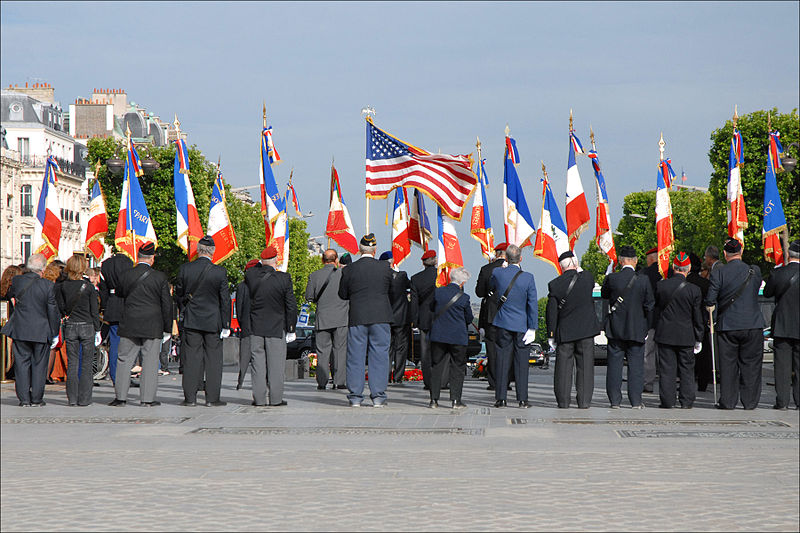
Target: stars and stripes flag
pixel 551 237
pixel 517 220
pixel 737 215
pixel 774 217
pixel 603 234
pixel 577 210
pixel 480 223
pixel 664 232
pixel 189 229
pixel 219 223
pixel 419 226
pixel 273 203
pixel 449 255
pixel 447 179
pixel 683 175
pixel 134 226
pixel 97 226
pixel 48 214
pixel 340 226
pixel 401 244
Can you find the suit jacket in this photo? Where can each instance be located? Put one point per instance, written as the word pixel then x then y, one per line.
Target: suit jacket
pixel 147 306
pixel 111 272
pixel 268 308
pixel 745 312
pixel 654 275
pixel 366 284
pixel 332 311
pixel 241 316
pixel 786 317
pixel 678 316
pixel 577 319
pixel 209 308
pixel 79 306
pixel 36 316
pixel 631 319
pixel 521 310
pixel 423 284
pixel 482 290
pixel 451 327
pixel 398 297
pixel 702 283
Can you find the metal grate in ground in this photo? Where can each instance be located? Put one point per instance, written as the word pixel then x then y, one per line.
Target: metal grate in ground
pixel 660 434
pixel 336 431
pixel 90 420
pixel 668 422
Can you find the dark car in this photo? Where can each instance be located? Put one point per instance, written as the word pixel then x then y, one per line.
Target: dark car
pixel 474 343
pixel 303 345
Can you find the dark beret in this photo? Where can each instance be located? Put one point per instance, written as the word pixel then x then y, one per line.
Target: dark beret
pixel 795 246
pixel 346 259
pixel 385 256
pixel 147 249
pixel 627 251
pixel 369 240
pixel 207 240
pixel 566 255
pixel 732 246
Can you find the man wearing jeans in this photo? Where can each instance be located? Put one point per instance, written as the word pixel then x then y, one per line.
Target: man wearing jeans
pixel 366 284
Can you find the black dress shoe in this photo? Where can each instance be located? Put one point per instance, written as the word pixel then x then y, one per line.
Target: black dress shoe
pixel 73 404
pixel 500 403
pixel 39 404
pixel 279 404
pixel 320 387
pixel 150 404
pixel 458 404
pixel 254 404
pixel 784 408
pixel 433 404
pixel 23 404
pixel 118 403
pixel 187 403
pixel 216 404
pixel 524 405
pixel 341 387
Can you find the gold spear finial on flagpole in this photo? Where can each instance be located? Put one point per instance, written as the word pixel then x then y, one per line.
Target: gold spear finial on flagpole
pixel 177 124
pixel 544 170
pixel 661 145
pixel 508 130
pixel 570 120
pixel 219 163
pixel 264 111
pixel 769 121
pixel 735 115
pixel 128 131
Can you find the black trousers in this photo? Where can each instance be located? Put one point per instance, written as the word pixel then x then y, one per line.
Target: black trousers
pixel 77 335
pixel 491 355
pixel 741 354
pixel 787 371
pixel 452 357
pixel 577 355
pixel 425 356
pixel 618 351
pixel 703 367
pixel 398 352
pixel 30 370
pixel 202 354
pixel 511 352
pixel 676 361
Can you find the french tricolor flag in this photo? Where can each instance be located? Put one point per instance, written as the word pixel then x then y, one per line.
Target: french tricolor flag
pixel 603 236
pixel 134 226
pixel 97 227
pixel 188 222
pixel 737 214
pixel 518 222
pixel 419 227
pixel 273 203
pixel 551 238
pixel 219 223
pixel 480 224
pixel 577 210
pixel 48 219
pixel 401 244
pixel 340 226
pixel 449 256
pixel 664 232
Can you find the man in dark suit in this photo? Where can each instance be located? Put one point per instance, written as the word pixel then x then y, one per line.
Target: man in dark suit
pixel 702 360
pixel 269 310
pixel 571 327
pixel 33 326
pixel 783 285
pixel 630 302
pixel 111 272
pixel 401 330
pixel 201 289
pixel 711 258
pixel 423 284
pixel 245 354
pixel 679 333
pixel 650 345
pixel 489 309
pixel 451 315
pixel 331 321
pixel 733 293
pixel 146 323
pixel 516 321
pixel 366 285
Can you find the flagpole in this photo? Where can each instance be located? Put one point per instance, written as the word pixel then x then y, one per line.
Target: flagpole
pixel 129 213
pixel 367 112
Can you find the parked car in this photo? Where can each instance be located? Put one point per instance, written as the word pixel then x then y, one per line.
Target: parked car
pixel 536 356
pixel 304 344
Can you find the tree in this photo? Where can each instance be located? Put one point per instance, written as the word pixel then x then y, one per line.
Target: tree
pixel 541 331
pixel 301 262
pixel 595 261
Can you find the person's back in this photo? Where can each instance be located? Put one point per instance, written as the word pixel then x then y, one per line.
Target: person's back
pixel 515 313
pixel 202 289
pixel 366 285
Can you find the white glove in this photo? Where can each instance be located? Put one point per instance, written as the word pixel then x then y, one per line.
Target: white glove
pixel 291 337
pixel 53 343
pixel 529 336
pixel 225 333
pixel 552 342
pixel 482 332
pixel 98 339
pixel 165 337
pixel 697 347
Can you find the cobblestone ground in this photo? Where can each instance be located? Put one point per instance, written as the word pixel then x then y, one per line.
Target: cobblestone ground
pixel 318 465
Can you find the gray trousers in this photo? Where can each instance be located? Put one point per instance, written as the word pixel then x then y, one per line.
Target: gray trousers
pixel 650 359
pixel 129 349
pixel 268 368
pixel 331 355
pixel 577 355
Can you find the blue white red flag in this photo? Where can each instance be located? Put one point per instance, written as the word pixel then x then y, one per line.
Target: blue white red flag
pixel 340 226
pixel 603 234
pixel 449 256
pixel 775 150
pixel 134 226
pixel 517 219
pixel 283 255
pixel 737 215
pixel 189 229
pixel 97 226
pixel 272 152
pixel 295 202
pixel 219 223
pixel 774 217
pixel 419 226
pixel 133 157
pixel 447 179
pixel 551 237
pixel 664 231
pixel 273 203
pixel 48 213
pixel 480 223
pixel 401 244
pixel 577 209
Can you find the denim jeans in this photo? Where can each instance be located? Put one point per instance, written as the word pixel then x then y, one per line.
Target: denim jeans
pixel 113 350
pixel 79 336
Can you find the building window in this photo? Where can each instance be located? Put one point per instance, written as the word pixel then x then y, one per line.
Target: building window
pixel 24 147
pixel 25 247
pixel 15 111
pixel 26 207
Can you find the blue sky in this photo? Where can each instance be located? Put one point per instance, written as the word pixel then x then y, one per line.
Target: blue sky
pixel 439 74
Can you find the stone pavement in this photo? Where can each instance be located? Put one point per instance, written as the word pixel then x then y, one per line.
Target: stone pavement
pixel 319 465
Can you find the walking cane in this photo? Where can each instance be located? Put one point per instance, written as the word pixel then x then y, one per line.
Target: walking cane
pixel 713 354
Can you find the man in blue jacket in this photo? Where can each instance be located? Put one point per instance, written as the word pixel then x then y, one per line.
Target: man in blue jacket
pixel 516 321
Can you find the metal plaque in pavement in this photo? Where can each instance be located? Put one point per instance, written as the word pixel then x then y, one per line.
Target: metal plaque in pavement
pixel 336 431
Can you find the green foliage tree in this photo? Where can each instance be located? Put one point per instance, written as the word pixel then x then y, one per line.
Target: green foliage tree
pixel 595 261
pixel 755 141
pixel 541 331
pixel 301 262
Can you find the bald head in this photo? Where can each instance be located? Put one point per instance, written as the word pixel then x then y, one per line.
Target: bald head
pixel 329 256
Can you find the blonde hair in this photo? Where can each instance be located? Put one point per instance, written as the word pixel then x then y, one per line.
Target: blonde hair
pixel 76 266
pixel 52 271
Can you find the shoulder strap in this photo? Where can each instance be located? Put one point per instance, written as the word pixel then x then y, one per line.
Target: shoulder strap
pixel 504 297
pixel 448 305
pixel 572 282
pixel 325 285
pixel 74 301
pixel 623 294
pixel 197 282
pixel 138 281
pixel 793 281
pixel 24 289
pixel 674 294
pixel 736 295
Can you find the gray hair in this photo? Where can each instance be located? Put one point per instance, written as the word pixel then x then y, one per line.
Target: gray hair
pixel 513 254
pixel 684 269
pixel 568 263
pixel 273 262
pixel 36 263
pixel 712 252
pixel 366 250
pixel 459 275
pixel 431 261
pixel 207 251
pixel 794 255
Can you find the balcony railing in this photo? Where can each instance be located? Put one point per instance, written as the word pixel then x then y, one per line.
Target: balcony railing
pixel 67 167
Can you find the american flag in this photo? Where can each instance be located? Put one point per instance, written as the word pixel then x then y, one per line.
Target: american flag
pixel 447 179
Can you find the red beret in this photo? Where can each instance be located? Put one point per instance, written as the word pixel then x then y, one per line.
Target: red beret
pixel 682 260
pixel 251 264
pixel 653 250
pixel 428 254
pixel 501 247
pixel 269 252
